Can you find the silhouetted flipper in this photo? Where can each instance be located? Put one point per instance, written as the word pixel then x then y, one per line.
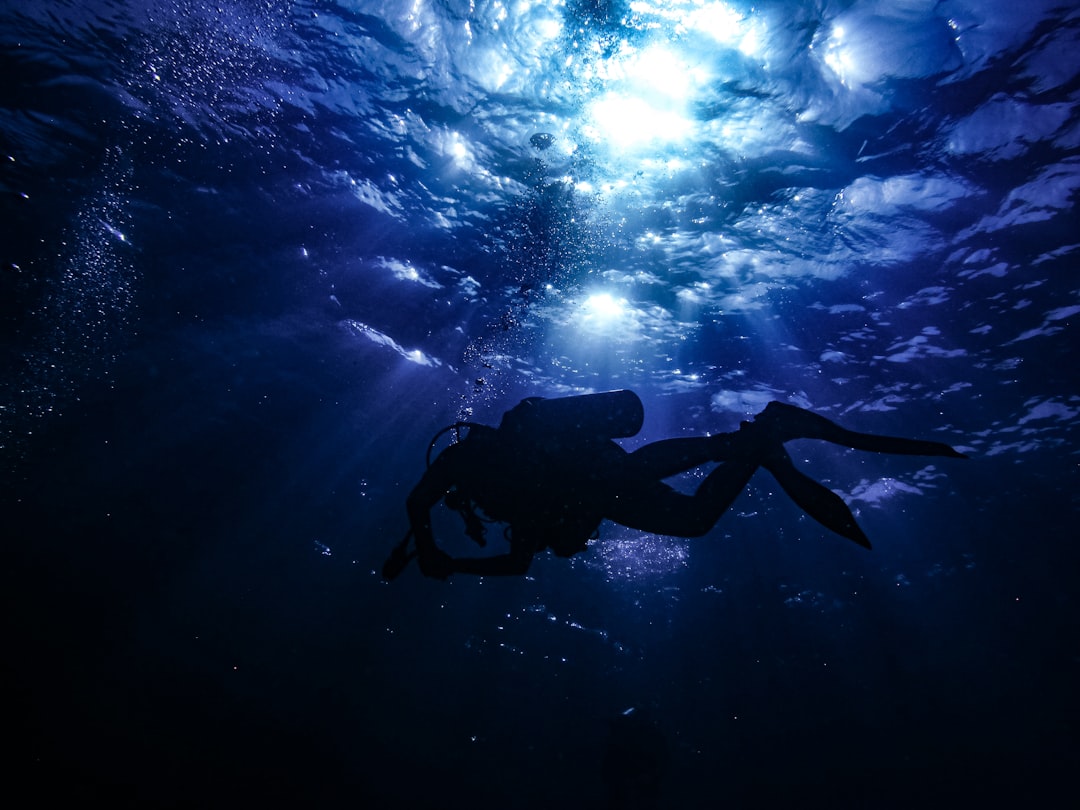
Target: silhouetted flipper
pixel 786 422
pixel 818 501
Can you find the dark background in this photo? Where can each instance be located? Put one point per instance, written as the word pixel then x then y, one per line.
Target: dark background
pixel 206 459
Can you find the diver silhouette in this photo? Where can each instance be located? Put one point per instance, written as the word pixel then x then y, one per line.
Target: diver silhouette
pixel 551 472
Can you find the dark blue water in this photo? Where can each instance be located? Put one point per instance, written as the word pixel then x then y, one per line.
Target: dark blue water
pixel 256 253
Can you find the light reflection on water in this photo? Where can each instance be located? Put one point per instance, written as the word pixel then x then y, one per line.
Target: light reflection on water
pixel 633 556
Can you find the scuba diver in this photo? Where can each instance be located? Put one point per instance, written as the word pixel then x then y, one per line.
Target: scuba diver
pixel 551 472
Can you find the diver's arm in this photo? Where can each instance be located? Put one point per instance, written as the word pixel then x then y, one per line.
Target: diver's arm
pixel 514 564
pixel 428 492
pixel 431 488
pixel 446 471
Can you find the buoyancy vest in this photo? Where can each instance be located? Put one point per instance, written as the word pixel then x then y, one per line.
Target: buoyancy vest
pixel 547 458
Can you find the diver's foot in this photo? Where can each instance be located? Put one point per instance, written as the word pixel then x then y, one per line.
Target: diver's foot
pixel 783 423
pixel 818 501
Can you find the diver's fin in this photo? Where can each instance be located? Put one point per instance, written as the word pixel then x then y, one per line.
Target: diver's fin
pixel 893 444
pixel 786 422
pixel 817 500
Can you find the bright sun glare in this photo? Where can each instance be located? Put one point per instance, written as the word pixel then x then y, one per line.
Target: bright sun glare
pixel 628 120
pixel 604 307
pixel 647 92
pixel 647 99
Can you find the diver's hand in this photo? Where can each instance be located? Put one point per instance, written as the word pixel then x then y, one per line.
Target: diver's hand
pixel 435 563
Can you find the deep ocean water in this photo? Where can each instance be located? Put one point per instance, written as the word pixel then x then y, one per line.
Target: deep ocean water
pixel 255 254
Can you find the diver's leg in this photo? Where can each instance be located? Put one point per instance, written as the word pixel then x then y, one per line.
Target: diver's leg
pixel 662 459
pixel 646 504
pixel 777 424
pixel 784 423
pixel 653 506
pixel 656 507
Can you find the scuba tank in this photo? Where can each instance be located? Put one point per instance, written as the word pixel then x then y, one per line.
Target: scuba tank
pixel 584 418
pixel 561 445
